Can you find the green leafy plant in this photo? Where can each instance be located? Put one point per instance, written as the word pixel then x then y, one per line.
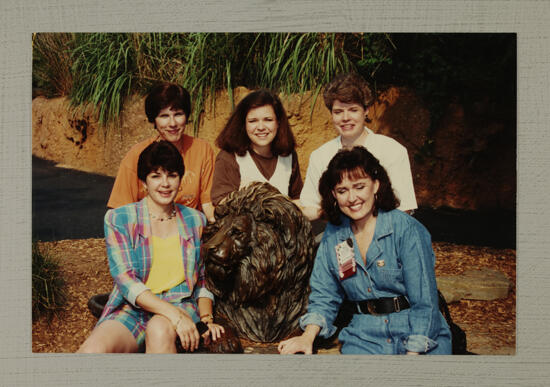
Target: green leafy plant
pixel 48 286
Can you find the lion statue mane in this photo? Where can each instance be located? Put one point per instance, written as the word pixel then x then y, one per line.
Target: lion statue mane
pixel 258 258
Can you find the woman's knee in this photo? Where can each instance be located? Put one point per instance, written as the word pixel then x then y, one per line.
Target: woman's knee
pixel 160 330
pixel 94 345
pixel 108 337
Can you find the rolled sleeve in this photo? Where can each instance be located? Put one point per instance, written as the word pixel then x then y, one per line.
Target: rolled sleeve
pixel 317 319
pixel 200 292
pixel 134 290
pixel 420 344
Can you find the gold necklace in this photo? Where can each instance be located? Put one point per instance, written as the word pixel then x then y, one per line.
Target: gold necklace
pixel 161 219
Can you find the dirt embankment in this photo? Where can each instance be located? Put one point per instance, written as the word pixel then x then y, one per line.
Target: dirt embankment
pixel 468 166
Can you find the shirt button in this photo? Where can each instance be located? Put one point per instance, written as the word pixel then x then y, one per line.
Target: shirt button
pixel 369 290
pixel 389 340
pixel 386 321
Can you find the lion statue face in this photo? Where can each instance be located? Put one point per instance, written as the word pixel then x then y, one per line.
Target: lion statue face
pixel 258 257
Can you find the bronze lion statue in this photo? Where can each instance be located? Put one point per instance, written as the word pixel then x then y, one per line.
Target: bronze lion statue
pixel 258 258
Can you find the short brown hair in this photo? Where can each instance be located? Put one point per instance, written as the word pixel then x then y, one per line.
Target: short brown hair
pixel 160 154
pixel 167 95
pixel 348 88
pixel 233 137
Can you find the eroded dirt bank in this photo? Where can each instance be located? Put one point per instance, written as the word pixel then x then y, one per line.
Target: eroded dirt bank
pixel 467 165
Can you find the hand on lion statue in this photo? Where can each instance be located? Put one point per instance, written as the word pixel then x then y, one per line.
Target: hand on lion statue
pixel 258 257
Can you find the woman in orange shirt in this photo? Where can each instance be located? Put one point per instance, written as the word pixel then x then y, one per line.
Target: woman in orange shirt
pixel 168 106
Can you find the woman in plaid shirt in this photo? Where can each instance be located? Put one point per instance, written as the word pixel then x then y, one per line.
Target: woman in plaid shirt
pixel 153 248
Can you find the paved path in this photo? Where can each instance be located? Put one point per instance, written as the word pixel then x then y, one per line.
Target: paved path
pixel 69 204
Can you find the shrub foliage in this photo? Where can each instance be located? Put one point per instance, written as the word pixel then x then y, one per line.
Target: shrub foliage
pixel 102 69
pixel 48 286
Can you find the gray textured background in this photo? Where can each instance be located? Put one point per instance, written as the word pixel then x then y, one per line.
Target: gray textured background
pixel 18 19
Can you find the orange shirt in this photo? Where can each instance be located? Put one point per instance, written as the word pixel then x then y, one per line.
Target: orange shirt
pixel 196 183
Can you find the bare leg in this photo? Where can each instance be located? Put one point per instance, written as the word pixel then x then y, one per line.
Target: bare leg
pixel 160 335
pixel 109 336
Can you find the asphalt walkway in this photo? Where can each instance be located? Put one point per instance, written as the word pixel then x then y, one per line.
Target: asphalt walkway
pixel 70 204
pixel 66 203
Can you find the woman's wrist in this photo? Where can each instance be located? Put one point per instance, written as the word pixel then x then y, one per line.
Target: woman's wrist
pixel 311 332
pixel 177 322
pixel 207 318
pixel 176 316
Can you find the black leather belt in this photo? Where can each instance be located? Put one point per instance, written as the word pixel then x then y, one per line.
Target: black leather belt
pixel 385 305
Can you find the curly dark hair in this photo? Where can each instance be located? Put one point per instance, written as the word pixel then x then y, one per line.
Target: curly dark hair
pixel 233 137
pixel 160 154
pixel 348 88
pixel 167 95
pixel 357 162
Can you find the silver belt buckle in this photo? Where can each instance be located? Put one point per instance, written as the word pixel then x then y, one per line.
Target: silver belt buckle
pixel 396 304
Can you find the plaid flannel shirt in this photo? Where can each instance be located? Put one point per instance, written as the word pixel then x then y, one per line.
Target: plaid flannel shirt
pixel 128 240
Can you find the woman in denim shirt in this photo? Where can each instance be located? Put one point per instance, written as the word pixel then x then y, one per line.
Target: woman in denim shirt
pixel 377 257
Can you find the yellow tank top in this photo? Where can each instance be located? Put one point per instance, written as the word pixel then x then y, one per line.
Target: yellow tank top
pixel 167 264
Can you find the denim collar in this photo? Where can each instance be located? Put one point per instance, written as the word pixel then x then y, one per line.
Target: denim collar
pixel 384 226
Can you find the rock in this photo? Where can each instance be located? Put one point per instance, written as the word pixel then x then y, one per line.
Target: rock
pixel 474 284
pixel 451 292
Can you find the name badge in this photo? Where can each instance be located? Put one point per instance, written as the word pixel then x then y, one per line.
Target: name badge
pixel 346 259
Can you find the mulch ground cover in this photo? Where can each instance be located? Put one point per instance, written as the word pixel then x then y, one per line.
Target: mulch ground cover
pixel 490 325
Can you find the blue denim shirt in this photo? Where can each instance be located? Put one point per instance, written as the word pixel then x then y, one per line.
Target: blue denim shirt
pixel 400 261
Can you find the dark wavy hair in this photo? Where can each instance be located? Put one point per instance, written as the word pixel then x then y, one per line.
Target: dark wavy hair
pixel 233 137
pixel 348 88
pixel 167 95
pixel 160 154
pixel 355 163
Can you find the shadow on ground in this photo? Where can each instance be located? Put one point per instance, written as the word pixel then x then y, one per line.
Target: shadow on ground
pixel 66 203
pixel 70 204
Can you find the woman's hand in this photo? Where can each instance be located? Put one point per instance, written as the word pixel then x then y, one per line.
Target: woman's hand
pixel 187 331
pixel 302 343
pixel 214 332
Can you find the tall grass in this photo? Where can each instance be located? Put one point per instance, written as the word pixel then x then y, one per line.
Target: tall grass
pixel 48 286
pixel 51 64
pixel 103 70
pixel 108 67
